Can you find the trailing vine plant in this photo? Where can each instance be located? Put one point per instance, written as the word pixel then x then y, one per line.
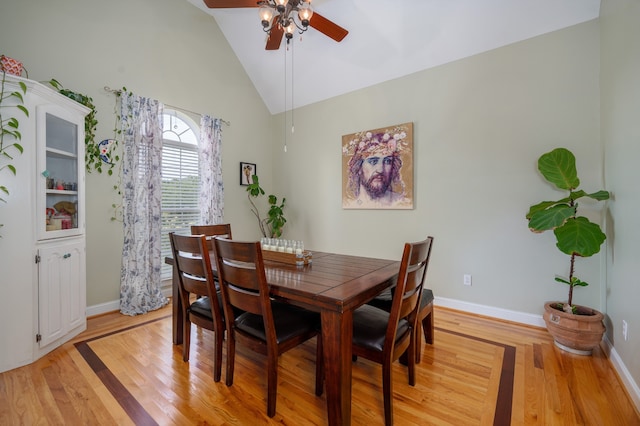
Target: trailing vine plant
pixel 117 135
pixel 94 151
pixel 9 127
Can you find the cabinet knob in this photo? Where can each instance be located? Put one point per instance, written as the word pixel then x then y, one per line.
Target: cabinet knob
pixel 66 255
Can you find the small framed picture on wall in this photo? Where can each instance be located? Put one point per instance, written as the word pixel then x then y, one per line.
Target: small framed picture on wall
pixel 247 170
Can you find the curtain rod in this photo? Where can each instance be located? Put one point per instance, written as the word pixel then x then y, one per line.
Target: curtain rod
pixel 108 89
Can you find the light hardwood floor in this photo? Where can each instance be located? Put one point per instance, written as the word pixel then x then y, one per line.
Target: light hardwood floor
pixel 124 370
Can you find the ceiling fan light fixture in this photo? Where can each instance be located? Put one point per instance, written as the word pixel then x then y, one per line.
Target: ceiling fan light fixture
pixel 289 29
pixel 266 13
pixel 280 17
pixel 305 12
pixel 281 5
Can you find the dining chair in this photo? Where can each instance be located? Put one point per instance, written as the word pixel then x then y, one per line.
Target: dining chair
pixel 382 336
pixel 266 326
pixel 425 309
pixel 221 229
pixel 210 231
pixel 195 277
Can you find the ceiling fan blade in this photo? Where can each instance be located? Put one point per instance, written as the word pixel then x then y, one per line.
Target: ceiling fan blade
pixel 275 36
pixel 328 28
pixel 222 4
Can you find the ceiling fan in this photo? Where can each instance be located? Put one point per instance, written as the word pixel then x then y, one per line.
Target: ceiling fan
pixel 282 18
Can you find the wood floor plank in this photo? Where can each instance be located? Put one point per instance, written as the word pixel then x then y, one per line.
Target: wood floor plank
pixel 125 370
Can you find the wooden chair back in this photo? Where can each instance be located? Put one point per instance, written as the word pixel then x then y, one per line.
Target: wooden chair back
pixel 221 229
pixel 406 297
pixel 191 255
pixel 241 266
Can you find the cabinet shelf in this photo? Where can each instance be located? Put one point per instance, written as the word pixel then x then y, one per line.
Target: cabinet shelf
pixel 58 153
pixel 61 192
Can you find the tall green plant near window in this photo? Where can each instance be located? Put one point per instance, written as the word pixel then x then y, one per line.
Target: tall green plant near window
pixel 272 225
pixel 9 129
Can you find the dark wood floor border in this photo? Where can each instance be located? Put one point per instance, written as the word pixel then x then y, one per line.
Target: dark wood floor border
pixel 504 400
pixel 129 404
pixel 140 416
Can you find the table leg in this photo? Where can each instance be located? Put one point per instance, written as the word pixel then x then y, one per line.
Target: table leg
pixel 176 317
pixel 337 331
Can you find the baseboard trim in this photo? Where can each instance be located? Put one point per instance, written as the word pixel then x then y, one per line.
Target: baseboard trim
pixel 103 308
pixel 505 314
pixel 114 305
pixel 627 380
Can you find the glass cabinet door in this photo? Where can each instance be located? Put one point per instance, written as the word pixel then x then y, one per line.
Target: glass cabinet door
pixel 60 138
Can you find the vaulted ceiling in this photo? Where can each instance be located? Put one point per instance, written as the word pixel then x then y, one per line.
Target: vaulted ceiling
pixel 387 39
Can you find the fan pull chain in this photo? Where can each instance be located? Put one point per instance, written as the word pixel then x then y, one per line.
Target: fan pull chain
pixel 285 99
pixel 293 85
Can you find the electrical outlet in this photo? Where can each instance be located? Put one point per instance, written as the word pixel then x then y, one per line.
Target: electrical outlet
pixel 467 279
pixel 625 330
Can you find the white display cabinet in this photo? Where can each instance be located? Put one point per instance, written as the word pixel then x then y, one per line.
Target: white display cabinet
pixel 60 186
pixel 42 240
pixel 62 290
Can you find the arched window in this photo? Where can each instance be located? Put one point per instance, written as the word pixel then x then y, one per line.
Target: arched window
pixel 180 179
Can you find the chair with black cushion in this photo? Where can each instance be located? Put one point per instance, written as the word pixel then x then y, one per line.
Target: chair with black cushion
pixel 382 336
pixel 266 326
pixel 195 277
pixel 425 310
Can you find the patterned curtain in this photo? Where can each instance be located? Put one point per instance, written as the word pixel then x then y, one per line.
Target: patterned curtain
pixel 211 201
pixel 141 182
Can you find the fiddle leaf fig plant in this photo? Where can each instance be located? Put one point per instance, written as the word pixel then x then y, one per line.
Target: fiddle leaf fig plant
pixel 272 225
pixel 575 235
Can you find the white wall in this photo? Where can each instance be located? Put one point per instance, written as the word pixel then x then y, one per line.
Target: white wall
pixel 480 125
pixel 621 134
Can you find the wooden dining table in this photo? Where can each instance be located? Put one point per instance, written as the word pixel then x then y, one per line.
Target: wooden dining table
pixel 334 285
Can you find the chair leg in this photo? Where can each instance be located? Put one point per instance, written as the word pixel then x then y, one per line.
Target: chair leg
pixel 411 362
pixel 217 360
pixel 426 322
pixel 272 383
pixel 186 339
pixel 427 327
pixel 387 391
pixel 319 366
pixel 231 357
pixel 418 342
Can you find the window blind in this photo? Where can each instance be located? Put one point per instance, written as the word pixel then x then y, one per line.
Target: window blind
pixel 180 192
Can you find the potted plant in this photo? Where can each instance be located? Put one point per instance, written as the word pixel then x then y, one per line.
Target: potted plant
pixel 575 328
pixel 273 224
